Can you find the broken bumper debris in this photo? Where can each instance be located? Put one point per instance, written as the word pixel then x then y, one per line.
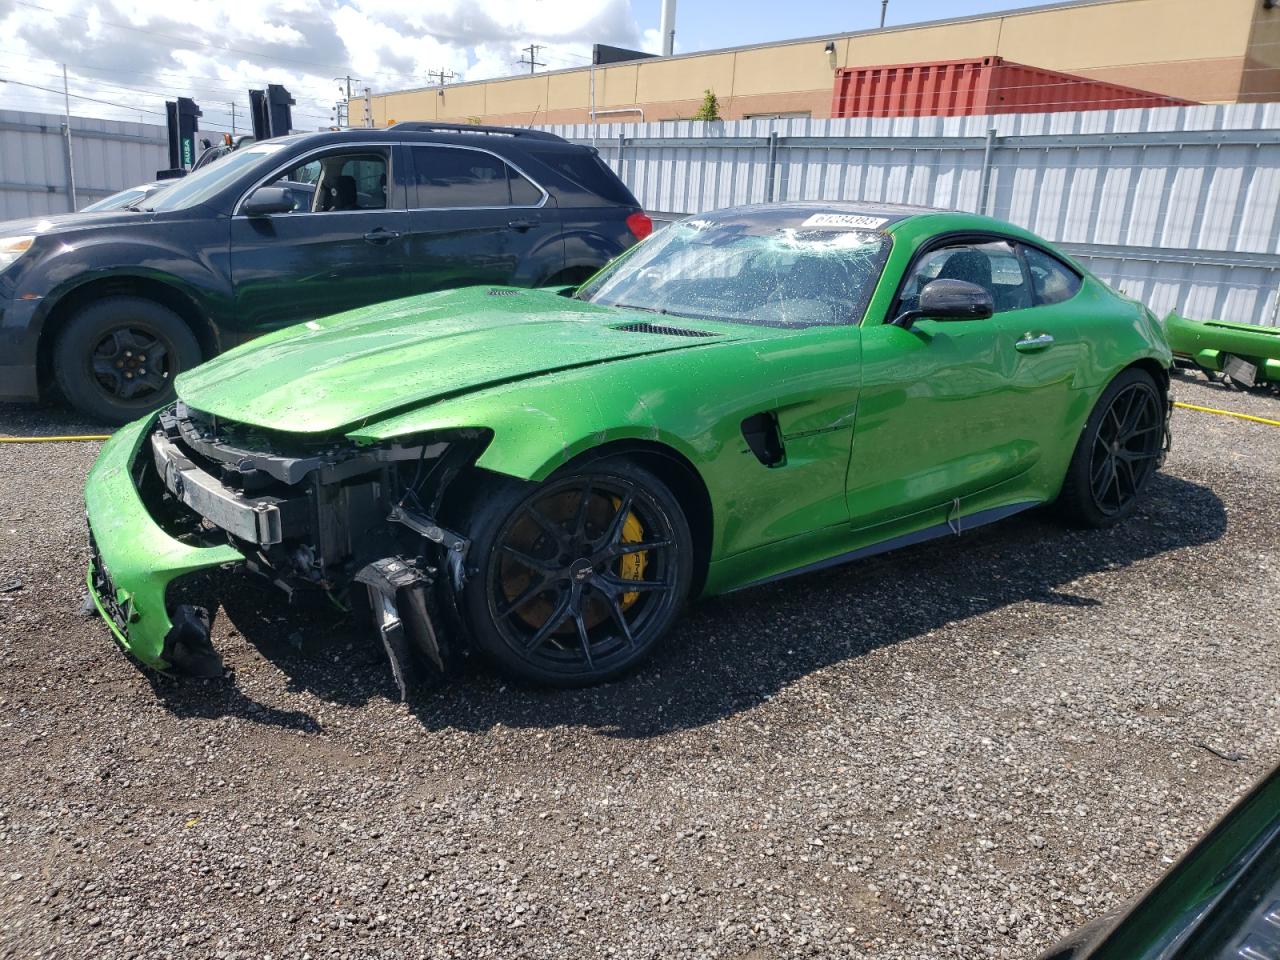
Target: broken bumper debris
pixel 1247 354
pixel 182 492
pixel 134 560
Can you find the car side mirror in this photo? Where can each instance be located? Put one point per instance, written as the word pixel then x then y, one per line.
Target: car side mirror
pixel 268 200
pixel 950 300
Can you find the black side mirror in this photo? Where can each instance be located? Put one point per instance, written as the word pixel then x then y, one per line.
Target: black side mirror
pixel 950 300
pixel 268 200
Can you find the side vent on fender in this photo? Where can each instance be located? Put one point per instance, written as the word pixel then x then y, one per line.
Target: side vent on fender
pixel 761 432
pixel 645 327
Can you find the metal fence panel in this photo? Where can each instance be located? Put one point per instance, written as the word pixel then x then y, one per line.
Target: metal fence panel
pixel 1178 206
pixel 110 155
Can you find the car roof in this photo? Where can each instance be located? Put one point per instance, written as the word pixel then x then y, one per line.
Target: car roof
pixel 490 137
pixel 886 213
pixel 861 215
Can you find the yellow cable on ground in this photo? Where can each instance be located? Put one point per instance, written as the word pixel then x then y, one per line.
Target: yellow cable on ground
pixel 53 439
pixel 1228 413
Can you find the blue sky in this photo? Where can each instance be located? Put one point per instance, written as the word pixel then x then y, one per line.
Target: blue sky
pixel 704 25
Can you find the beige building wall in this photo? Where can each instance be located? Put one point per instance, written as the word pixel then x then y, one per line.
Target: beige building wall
pixel 1212 52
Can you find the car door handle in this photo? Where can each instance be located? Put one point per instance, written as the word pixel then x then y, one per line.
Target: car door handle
pixel 1028 344
pixel 523 225
pixel 381 235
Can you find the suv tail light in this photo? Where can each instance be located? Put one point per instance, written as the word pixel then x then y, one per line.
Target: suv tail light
pixel 640 224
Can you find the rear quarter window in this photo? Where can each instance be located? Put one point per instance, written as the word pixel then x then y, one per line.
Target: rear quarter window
pixel 589 172
pixel 1052 281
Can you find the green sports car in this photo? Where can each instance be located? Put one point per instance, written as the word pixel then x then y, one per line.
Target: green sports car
pixel 547 476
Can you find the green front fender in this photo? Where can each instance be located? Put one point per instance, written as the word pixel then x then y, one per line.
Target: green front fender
pixel 138 560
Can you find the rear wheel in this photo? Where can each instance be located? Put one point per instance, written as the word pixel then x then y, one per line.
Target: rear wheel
pixel 117 358
pixel 578 578
pixel 1117 453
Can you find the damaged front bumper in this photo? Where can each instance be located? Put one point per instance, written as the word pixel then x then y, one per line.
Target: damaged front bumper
pixel 134 560
pixel 312 515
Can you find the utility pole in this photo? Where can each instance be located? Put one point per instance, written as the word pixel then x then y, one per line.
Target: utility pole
pixel 443 75
pixel 342 110
pixel 368 106
pixel 71 163
pixel 884 8
pixel 233 119
pixel 533 49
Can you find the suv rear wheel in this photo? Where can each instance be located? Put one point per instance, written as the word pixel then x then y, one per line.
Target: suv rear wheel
pixel 117 358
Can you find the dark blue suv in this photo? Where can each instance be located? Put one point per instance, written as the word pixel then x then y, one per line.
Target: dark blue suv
pixel 110 307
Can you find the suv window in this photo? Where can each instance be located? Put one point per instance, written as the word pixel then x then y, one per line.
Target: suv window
pixel 994 266
pixel 452 177
pixel 591 173
pixel 1052 281
pixel 343 180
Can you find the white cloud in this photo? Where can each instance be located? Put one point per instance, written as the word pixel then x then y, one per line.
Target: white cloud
pixel 138 53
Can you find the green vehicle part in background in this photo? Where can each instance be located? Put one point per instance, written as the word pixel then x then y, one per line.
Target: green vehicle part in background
pixel 1248 353
pixel 547 378
pixel 1218 901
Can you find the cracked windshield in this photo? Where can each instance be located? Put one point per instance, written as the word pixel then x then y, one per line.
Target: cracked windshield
pixel 793 272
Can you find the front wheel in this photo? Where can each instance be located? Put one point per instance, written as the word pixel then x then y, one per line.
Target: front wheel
pixel 1118 452
pixel 578 578
pixel 117 358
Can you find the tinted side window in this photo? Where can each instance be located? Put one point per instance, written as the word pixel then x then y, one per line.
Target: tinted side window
pixel 591 173
pixel 370 176
pixel 338 182
pixel 993 266
pixel 523 193
pixel 1052 281
pixel 447 177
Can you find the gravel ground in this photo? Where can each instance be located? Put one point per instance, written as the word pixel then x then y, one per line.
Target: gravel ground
pixel 959 750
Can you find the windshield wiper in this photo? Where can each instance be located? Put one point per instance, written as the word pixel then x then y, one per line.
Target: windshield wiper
pixel 629 306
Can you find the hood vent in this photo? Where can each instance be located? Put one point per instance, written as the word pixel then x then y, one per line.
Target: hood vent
pixel 495 292
pixel 645 327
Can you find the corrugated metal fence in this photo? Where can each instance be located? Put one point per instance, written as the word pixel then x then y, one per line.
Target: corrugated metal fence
pixel 1178 206
pixel 109 156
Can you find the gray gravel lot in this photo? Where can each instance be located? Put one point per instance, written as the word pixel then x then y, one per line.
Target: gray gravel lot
pixel 959 750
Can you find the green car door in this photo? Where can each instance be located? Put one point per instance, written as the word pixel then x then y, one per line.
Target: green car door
pixel 955 415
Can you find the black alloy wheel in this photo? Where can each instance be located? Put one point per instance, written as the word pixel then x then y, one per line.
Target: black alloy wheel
pixel 1126 448
pixel 581 576
pixel 1118 452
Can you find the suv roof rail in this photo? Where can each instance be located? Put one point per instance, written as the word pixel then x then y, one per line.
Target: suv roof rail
pixel 430 126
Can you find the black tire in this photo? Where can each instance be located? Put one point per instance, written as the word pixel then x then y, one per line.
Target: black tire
pixel 567 536
pixel 116 359
pixel 1117 453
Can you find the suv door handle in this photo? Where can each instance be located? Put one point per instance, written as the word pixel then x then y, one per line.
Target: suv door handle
pixel 523 225
pixel 1029 344
pixel 381 235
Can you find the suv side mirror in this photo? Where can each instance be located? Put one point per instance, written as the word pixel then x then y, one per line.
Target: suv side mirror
pixel 950 300
pixel 268 200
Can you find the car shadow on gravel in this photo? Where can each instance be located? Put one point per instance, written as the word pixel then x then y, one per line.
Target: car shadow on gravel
pixel 729 654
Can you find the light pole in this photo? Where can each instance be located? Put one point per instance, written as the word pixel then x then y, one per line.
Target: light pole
pixel 884 8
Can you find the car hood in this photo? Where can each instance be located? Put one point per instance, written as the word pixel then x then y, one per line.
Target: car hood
pixel 39 226
pixel 343 371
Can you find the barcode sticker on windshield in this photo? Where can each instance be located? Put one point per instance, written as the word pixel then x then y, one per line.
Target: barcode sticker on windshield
pixel 845 220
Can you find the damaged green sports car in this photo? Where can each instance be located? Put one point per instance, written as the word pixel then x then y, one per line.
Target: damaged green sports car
pixel 547 476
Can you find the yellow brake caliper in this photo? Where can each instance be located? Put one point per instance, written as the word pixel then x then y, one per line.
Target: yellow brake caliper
pixel 631 565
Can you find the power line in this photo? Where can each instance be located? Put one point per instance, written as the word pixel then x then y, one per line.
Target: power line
pixel 75 96
pixel 202 43
pixel 441 75
pixel 176 39
pixel 532 62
